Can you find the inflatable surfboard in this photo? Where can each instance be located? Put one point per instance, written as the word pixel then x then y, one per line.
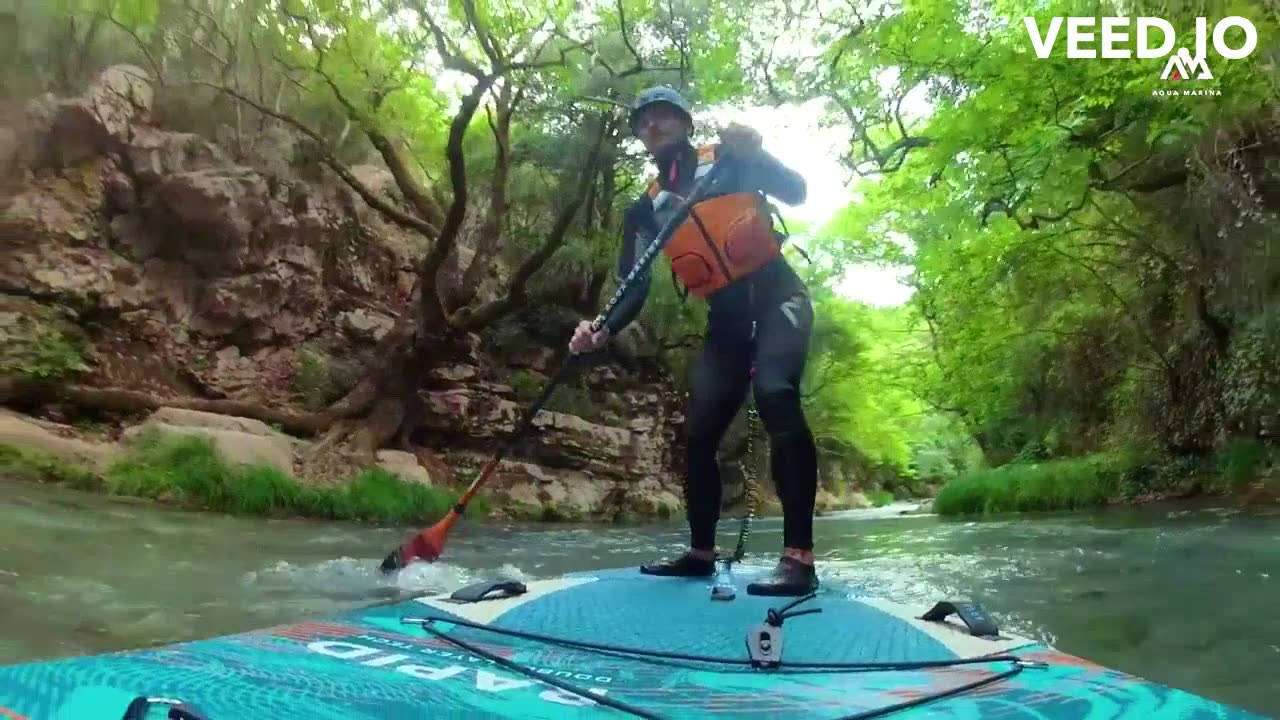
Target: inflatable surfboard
pixel 612 643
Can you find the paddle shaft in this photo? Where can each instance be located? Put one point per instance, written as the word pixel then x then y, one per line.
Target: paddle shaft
pixel 699 189
pixel 518 432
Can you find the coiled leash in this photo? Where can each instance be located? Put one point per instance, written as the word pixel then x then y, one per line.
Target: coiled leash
pixel 722 588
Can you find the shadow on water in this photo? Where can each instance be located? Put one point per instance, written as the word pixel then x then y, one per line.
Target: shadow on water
pixel 1180 595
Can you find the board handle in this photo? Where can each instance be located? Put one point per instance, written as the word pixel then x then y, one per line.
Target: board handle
pixel 980 624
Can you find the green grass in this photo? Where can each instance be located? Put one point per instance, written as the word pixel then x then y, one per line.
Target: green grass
pixel 1244 461
pixel 41 343
pixel 526 385
pixel 314 380
pixel 880 498
pixel 378 495
pixel 1076 483
pixel 40 467
pixel 186 470
pixel 1068 484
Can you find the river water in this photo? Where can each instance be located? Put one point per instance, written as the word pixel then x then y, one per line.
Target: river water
pixel 1184 595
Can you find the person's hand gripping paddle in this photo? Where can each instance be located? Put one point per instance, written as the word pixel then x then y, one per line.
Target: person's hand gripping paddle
pixel 429 544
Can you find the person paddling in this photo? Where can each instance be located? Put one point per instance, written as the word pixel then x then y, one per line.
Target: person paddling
pixel 727 252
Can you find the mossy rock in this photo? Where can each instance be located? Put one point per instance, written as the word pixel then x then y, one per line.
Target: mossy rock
pixel 39 342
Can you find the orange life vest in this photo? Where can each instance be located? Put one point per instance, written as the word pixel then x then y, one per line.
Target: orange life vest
pixel 724 238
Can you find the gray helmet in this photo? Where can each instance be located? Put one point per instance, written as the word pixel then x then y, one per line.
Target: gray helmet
pixel 660 94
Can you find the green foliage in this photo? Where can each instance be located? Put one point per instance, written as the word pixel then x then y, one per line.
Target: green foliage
pixel 940 450
pixel 527 385
pixel 519 510
pixel 860 394
pixel 37 342
pixel 1069 299
pixel 183 467
pixel 314 380
pixel 560 513
pixel 1252 375
pixel 1244 461
pixel 377 495
pixel 880 498
pixel 574 398
pixel 1093 265
pixel 187 470
pixel 28 464
pixel 677 325
pixel 1100 478
pixel 1069 484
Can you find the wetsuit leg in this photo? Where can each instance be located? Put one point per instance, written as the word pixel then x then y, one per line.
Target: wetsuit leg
pixel 719 387
pixel 721 376
pixel 782 348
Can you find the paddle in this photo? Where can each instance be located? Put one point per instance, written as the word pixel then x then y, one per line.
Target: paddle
pixel 428 544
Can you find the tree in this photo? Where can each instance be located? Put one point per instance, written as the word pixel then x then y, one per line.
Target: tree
pixel 1092 261
pixel 537 116
pixel 1061 214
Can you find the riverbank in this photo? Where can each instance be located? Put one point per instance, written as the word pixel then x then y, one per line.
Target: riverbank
pixel 1245 468
pixel 187 471
pixel 205 461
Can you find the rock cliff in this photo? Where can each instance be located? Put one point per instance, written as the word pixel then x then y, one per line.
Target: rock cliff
pixel 145 267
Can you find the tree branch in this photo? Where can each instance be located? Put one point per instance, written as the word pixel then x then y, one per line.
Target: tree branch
pixel 377 202
pixel 472 319
pixel 433 312
pixel 626 40
pixel 410 188
pixel 1000 205
pixel 452 60
pixel 497 61
pixel 887 160
pixel 1137 322
pixel 142 46
pixel 492 231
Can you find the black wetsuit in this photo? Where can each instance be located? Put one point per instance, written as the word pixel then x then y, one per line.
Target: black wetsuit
pixel 775 298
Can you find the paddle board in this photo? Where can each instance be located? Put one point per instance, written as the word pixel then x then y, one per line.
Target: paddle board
pixel 603 644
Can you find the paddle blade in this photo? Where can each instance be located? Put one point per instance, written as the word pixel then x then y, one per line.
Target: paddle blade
pixel 426 545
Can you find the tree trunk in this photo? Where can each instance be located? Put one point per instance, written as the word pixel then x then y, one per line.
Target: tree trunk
pixel 122 400
pixel 382 410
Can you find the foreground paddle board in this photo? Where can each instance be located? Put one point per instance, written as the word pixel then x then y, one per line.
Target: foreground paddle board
pixel 370 665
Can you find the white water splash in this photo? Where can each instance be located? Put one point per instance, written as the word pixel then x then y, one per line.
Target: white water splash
pixel 343 577
pixel 360 578
pixel 430 577
pixel 443 577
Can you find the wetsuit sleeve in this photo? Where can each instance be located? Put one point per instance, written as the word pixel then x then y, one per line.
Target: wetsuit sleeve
pixel 630 305
pixel 634 223
pixel 765 172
